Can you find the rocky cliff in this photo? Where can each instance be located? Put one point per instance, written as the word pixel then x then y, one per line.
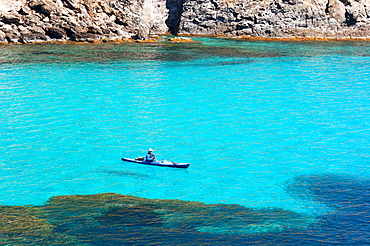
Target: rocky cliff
pixel 277 18
pixel 80 20
pixel 87 20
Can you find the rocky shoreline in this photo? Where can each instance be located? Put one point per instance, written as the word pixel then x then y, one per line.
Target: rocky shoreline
pixel 40 21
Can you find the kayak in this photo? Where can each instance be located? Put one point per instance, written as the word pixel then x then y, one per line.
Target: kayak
pixel 163 163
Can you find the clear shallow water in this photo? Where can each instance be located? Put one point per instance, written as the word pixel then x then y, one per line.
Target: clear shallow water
pixel 250 117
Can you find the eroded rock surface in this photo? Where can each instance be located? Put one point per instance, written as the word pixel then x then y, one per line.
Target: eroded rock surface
pixel 277 18
pixel 80 20
pixel 87 20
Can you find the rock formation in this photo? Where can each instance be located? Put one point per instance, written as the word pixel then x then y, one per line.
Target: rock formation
pixel 88 20
pixel 277 18
pixel 80 20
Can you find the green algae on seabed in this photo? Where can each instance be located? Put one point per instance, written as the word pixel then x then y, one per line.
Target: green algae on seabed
pixel 21 226
pixel 113 219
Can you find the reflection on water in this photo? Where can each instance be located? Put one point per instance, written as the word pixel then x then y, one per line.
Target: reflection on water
pixel 104 53
pixel 163 51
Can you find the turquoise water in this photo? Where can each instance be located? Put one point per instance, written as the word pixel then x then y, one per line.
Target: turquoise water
pixel 250 117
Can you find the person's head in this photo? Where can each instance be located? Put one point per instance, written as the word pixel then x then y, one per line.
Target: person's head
pixel 150 150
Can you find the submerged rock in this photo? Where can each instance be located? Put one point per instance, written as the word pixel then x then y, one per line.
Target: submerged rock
pixel 348 200
pixel 22 226
pixel 113 219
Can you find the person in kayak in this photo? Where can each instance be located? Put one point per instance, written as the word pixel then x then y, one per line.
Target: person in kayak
pixel 150 157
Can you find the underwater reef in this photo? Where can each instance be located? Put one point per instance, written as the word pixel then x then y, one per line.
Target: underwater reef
pixel 114 219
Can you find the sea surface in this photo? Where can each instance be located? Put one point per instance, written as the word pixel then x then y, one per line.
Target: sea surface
pixel 263 124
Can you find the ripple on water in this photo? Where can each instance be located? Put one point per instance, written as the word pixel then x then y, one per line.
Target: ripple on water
pixel 277 115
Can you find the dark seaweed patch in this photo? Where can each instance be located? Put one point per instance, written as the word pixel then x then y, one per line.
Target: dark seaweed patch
pixel 113 219
pixel 137 216
pixel 22 226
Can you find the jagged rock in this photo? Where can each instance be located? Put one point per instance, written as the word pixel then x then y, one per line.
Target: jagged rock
pixel 44 7
pixel 337 10
pixel 75 33
pixel 5 27
pixel 25 10
pixel 275 18
pixel 56 33
pixel 36 29
pixel 100 19
pixel 96 30
pixel 143 33
pixel 72 4
pixel 33 20
pixel 13 36
pixel 2 37
pixel 9 18
pixel 32 37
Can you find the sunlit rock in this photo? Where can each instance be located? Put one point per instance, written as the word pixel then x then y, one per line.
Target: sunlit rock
pixel 182 40
pixel 140 19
